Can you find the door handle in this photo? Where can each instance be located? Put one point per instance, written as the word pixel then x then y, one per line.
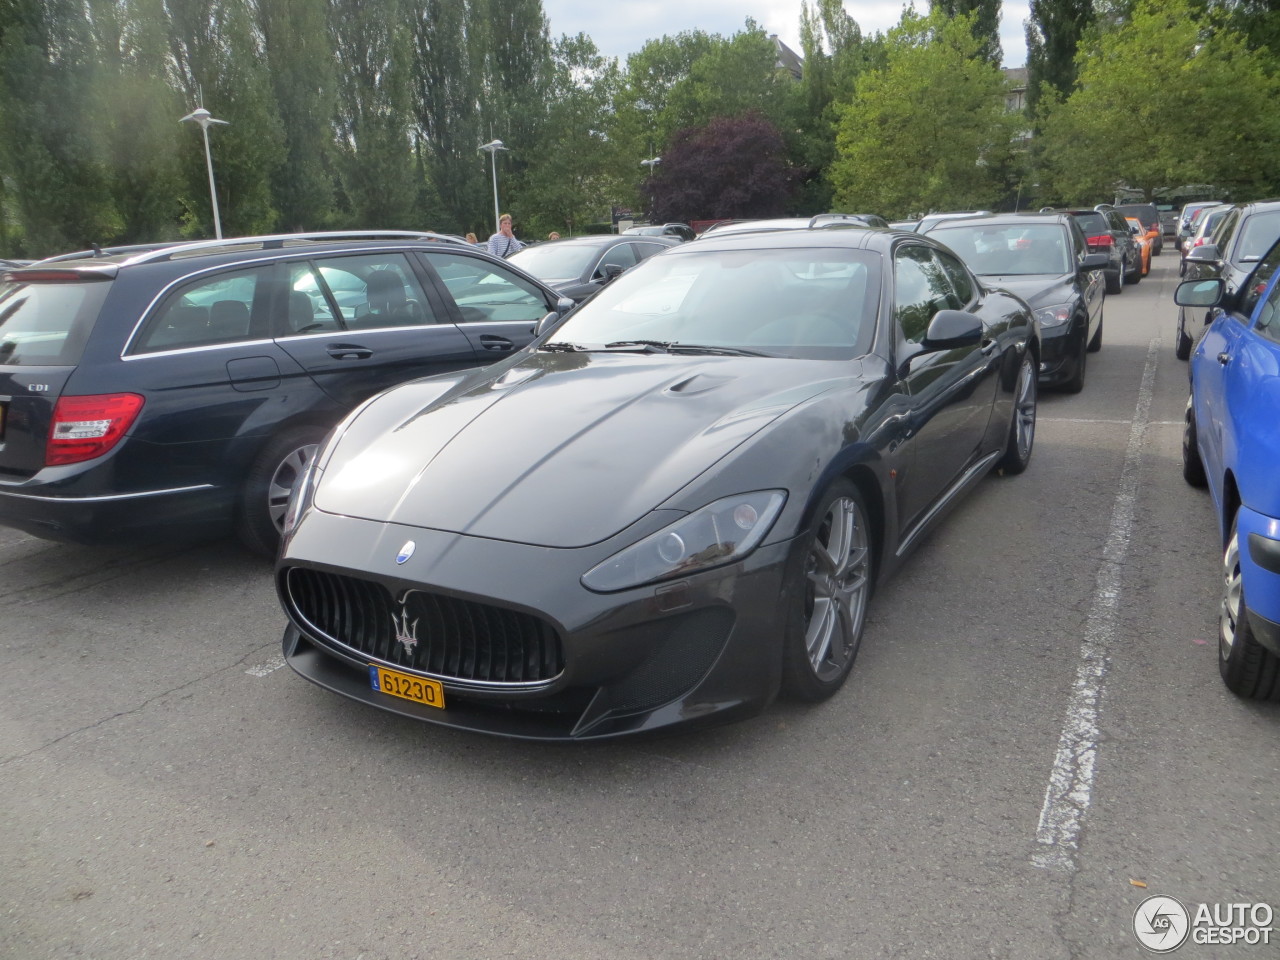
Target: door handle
pixel 490 342
pixel 347 351
pixel 1224 358
pixel 988 346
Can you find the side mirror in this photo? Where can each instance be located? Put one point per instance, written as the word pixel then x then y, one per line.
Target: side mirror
pixel 1205 253
pixel 563 306
pixel 611 271
pixel 950 329
pixel 1094 261
pixel 1199 293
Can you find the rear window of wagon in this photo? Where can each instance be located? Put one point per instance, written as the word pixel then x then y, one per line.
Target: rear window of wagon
pixel 47 324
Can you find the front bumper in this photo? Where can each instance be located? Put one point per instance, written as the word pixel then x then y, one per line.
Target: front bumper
pixel 1259 537
pixel 1060 354
pixel 705 649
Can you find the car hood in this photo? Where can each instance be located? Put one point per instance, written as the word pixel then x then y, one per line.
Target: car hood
pixel 1039 290
pixel 556 450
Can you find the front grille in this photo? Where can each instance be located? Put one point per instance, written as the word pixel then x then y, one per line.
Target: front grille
pixel 456 639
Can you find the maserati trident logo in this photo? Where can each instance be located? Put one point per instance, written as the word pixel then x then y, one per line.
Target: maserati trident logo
pixel 406 551
pixel 406 632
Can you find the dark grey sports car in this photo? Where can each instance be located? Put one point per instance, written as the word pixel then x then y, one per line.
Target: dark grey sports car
pixel 672 506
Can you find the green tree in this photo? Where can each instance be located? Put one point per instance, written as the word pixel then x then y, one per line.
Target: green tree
pixel 640 126
pixel 929 131
pixel 1210 118
pixel 573 165
pixel 985 16
pixel 48 156
pixel 218 61
pixel 736 76
pixel 295 39
pixel 1054 30
pixel 376 163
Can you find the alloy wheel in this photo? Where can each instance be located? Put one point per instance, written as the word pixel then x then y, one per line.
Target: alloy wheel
pixel 1229 617
pixel 837 572
pixel 284 479
pixel 1025 410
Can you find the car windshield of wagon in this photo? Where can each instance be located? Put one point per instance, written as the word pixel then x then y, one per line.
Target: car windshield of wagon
pixel 813 303
pixel 1014 249
pixel 557 261
pixel 47 324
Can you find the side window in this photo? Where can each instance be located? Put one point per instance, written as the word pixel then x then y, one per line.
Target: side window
pixel 1258 280
pixel 624 255
pixel 1223 230
pixel 371 291
pixel 212 310
pixel 959 278
pixel 486 292
pixel 1078 239
pixel 644 250
pixel 920 289
pixel 1268 323
pixel 310 308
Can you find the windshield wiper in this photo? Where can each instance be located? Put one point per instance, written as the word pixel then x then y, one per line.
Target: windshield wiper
pixel 650 346
pixel 562 346
pixel 715 351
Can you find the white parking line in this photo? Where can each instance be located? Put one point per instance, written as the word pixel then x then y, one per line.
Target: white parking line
pixel 1070 790
pixel 262 669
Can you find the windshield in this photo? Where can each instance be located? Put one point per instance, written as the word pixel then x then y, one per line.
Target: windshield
pixel 815 303
pixel 1257 235
pixel 46 324
pixel 556 261
pixel 1008 249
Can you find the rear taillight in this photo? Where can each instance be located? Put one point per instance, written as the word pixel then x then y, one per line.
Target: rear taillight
pixel 1199 240
pixel 87 427
pixel 1102 241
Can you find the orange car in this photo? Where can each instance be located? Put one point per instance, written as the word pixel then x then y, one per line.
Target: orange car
pixel 1146 240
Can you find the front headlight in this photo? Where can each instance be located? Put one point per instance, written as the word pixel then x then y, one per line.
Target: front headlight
pixel 721 532
pixel 1055 316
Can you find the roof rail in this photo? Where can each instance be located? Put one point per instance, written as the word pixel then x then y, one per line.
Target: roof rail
pixel 279 240
pixel 98 251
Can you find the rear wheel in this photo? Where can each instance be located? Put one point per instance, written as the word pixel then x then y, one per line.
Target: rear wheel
pixel 271 480
pixel 1134 275
pixel 829 601
pixel 1248 668
pixel 1114 283
pixel 1022 430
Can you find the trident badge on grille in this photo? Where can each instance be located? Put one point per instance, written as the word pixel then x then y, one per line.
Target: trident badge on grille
pixel 406 632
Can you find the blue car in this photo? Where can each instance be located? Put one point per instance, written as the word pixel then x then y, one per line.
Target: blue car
pixel 1231 444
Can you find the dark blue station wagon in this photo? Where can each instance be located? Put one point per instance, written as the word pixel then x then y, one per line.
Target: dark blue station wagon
pixel 177 392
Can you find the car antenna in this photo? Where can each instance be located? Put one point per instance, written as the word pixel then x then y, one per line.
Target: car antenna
pixel 97 250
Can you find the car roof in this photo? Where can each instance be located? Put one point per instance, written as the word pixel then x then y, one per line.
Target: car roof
pixel 608 240
pixel 818 221
pixel 850 237
pixel 1021 216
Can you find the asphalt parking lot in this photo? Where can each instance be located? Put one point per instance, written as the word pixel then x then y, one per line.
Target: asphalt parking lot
pixel 1035 727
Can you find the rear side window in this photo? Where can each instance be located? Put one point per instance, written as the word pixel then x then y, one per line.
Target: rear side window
pixel 47 324
pixel 1257 234
pixel 213 310
pixel 487 292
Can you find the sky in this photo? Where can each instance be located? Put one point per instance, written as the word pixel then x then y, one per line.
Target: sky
pixel 622 27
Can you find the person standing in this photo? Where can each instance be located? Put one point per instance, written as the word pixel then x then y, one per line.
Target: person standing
pixel 504 242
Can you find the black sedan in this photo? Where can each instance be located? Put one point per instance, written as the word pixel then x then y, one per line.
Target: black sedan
pixel 1045 259
pixel 673 505
pixel 580 266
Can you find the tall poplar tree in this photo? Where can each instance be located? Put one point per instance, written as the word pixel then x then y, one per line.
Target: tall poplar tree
pixel 986 23
pixel 1054 31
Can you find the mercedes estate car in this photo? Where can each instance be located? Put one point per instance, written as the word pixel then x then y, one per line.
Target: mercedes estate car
pixel 177 391
pixel 672 506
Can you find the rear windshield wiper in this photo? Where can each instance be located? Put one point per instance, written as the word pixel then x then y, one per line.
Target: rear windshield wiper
pixel 562 346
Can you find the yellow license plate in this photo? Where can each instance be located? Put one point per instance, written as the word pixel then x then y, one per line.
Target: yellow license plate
pixel 430 693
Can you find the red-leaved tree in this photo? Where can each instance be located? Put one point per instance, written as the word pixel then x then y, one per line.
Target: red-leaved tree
pixel 733 167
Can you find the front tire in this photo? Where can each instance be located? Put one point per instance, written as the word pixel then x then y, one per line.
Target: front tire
pixel 272 478
pixel 1022 429
pixel 1182 343
pixel 1095 343
pixel 830 597
pixel 1248 668
pixel 1076 383
pixel 1192 465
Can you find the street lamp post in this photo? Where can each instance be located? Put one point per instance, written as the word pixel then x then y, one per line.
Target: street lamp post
pixel 204 118
pixel 492 147
pixel 651 163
